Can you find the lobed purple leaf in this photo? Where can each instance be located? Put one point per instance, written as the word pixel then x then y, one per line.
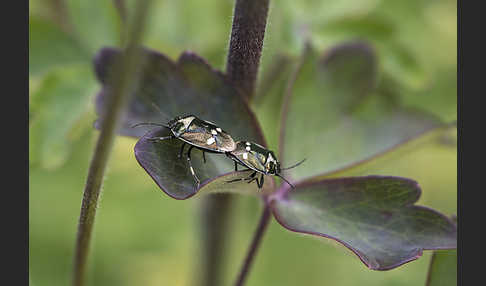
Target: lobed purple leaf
pixel 167 89
pixel 373 216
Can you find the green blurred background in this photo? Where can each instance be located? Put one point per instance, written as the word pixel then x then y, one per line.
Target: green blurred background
pixel 142 236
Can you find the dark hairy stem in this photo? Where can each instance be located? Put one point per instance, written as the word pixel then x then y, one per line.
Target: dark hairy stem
pixel 248 29
pixel 257 238
pixel 249 21
pixel 245 48
pixel 124 79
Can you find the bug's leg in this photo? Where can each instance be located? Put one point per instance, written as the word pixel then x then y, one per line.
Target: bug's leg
pixel 235 180
pixel 161 138
pixel 204 156
pixel 251 177
pixel 190 166
pixel 236 166
pixel 260 184
pixel 182 150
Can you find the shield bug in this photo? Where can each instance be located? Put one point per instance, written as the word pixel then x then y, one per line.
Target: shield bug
pixel 197 133
pixel 259 159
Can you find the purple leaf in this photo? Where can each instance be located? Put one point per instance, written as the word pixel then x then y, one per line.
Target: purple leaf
pixel 188 86
pixel 220 184
pixel 374 216
pixel 338 115
pixel 168 89
pixel 172 174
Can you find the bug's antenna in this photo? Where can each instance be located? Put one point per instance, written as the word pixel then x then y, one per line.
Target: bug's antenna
pixel 293 187
pixel 149 123
pixel 148 101
pixel 293 166
pixel 160 111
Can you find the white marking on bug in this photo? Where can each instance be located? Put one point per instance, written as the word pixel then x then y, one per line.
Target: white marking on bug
pixel 271 159
pixel 210 141
pixel 192 170
pixel 219 130
pixel 248 143
pixel 245 156
pixel 214 132
pixel 248 148
pixel 187 121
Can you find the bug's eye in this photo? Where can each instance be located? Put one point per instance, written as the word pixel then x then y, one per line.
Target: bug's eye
pixel 271 167
pixel 178 127
pixel 173 122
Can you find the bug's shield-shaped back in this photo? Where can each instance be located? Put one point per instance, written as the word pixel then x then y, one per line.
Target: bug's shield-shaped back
pixel 209 136
pixel 250 155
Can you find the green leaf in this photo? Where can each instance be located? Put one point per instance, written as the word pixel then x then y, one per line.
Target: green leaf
pixel 337 116
pixel 439 97
pixel 368 26
pixel 404 66
pixel 55 107
pixel 380 164
pixel 374 216
pixel 267 102
pixel 50 47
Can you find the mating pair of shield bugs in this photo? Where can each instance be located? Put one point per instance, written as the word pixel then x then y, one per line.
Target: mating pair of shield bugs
pixel 208 137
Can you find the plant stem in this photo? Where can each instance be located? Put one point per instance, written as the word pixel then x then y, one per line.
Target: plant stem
pixel 248 29
pixel 215 216
pixel 124 80
pixel 245 49
pixel 262 226
pixel 121 8
pixel 60 15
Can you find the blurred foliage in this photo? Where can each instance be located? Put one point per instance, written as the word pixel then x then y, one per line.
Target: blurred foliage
pixel 55 108
pixel 143 237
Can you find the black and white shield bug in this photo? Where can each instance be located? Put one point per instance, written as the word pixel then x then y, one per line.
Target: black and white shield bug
pixel 196 133
pixel 259 159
